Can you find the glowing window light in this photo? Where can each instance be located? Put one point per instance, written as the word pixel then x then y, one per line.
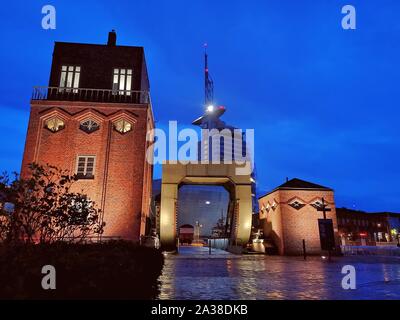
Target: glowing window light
pixel 55 124
pixel 122 126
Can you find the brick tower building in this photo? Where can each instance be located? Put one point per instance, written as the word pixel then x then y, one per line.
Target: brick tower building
pixel 92 120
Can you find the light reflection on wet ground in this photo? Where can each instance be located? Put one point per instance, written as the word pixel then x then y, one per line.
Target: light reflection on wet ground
pixel 193 274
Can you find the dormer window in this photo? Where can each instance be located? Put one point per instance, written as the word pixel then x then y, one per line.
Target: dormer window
pixel 54 124
pixel 122 81
pixel 69 80
pixel 89 126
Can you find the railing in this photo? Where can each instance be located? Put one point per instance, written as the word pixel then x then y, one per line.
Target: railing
pixel 92 95
pixel 370 250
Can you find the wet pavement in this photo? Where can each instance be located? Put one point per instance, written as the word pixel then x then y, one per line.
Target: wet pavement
pixel 194 274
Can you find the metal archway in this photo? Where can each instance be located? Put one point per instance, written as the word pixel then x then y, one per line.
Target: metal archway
pixel 174 174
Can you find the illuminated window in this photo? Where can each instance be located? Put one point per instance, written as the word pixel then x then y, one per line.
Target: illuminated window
pixel 89 126
pixel 122 81
pixel 69 78
pixel 55 124
pixel 122 126
pixel 85 167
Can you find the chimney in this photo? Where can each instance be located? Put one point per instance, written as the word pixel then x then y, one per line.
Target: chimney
pixel 112 38
pixel 287 179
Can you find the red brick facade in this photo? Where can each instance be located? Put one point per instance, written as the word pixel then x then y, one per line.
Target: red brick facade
pixel 288 226
pixel 122 177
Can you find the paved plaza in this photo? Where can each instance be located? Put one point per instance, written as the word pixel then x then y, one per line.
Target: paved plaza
pixel 194 274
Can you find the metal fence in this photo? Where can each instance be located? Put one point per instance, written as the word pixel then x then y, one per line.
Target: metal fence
pixel 371 250
pixel 91 95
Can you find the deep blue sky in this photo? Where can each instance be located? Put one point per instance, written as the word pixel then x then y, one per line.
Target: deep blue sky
pixel 324 102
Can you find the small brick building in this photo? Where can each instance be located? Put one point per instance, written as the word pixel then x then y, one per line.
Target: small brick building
pixel 92 120
pixel 288 214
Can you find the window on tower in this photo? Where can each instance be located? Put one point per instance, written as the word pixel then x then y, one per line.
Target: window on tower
pixel 69 80
pixel 122 126
pixel 54 124
pixel 89 126
pixel 122 81
pixel 85 167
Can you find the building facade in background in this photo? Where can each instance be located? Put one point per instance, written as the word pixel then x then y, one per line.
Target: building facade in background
pixel 92 120
pixel 363 228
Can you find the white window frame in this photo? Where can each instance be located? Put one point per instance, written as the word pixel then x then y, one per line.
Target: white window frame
pixel 86 157
pixel 69 78
pixel 122 81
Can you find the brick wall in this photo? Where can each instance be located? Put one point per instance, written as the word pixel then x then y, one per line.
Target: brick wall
pixel 288 226
pixel 122 183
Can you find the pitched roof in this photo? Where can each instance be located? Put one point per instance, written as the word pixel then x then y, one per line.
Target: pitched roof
pixel 298 184
pixel 301 184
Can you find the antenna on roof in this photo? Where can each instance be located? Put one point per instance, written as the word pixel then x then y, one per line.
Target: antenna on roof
pixel 208 83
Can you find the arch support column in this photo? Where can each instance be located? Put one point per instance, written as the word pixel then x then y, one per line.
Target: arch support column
pixel 169 195
pixel 244 212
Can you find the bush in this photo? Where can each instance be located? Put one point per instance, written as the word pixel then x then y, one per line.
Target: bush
pixel 111 270
pixel 45 209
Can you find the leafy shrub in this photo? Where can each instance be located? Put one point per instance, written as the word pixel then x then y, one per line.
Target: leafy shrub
pixel 45 208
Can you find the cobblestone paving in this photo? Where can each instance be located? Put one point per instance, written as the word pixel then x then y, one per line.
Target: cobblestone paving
pixel 193 274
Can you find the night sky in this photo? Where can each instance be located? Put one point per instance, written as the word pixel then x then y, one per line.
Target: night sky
pixel 324 102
